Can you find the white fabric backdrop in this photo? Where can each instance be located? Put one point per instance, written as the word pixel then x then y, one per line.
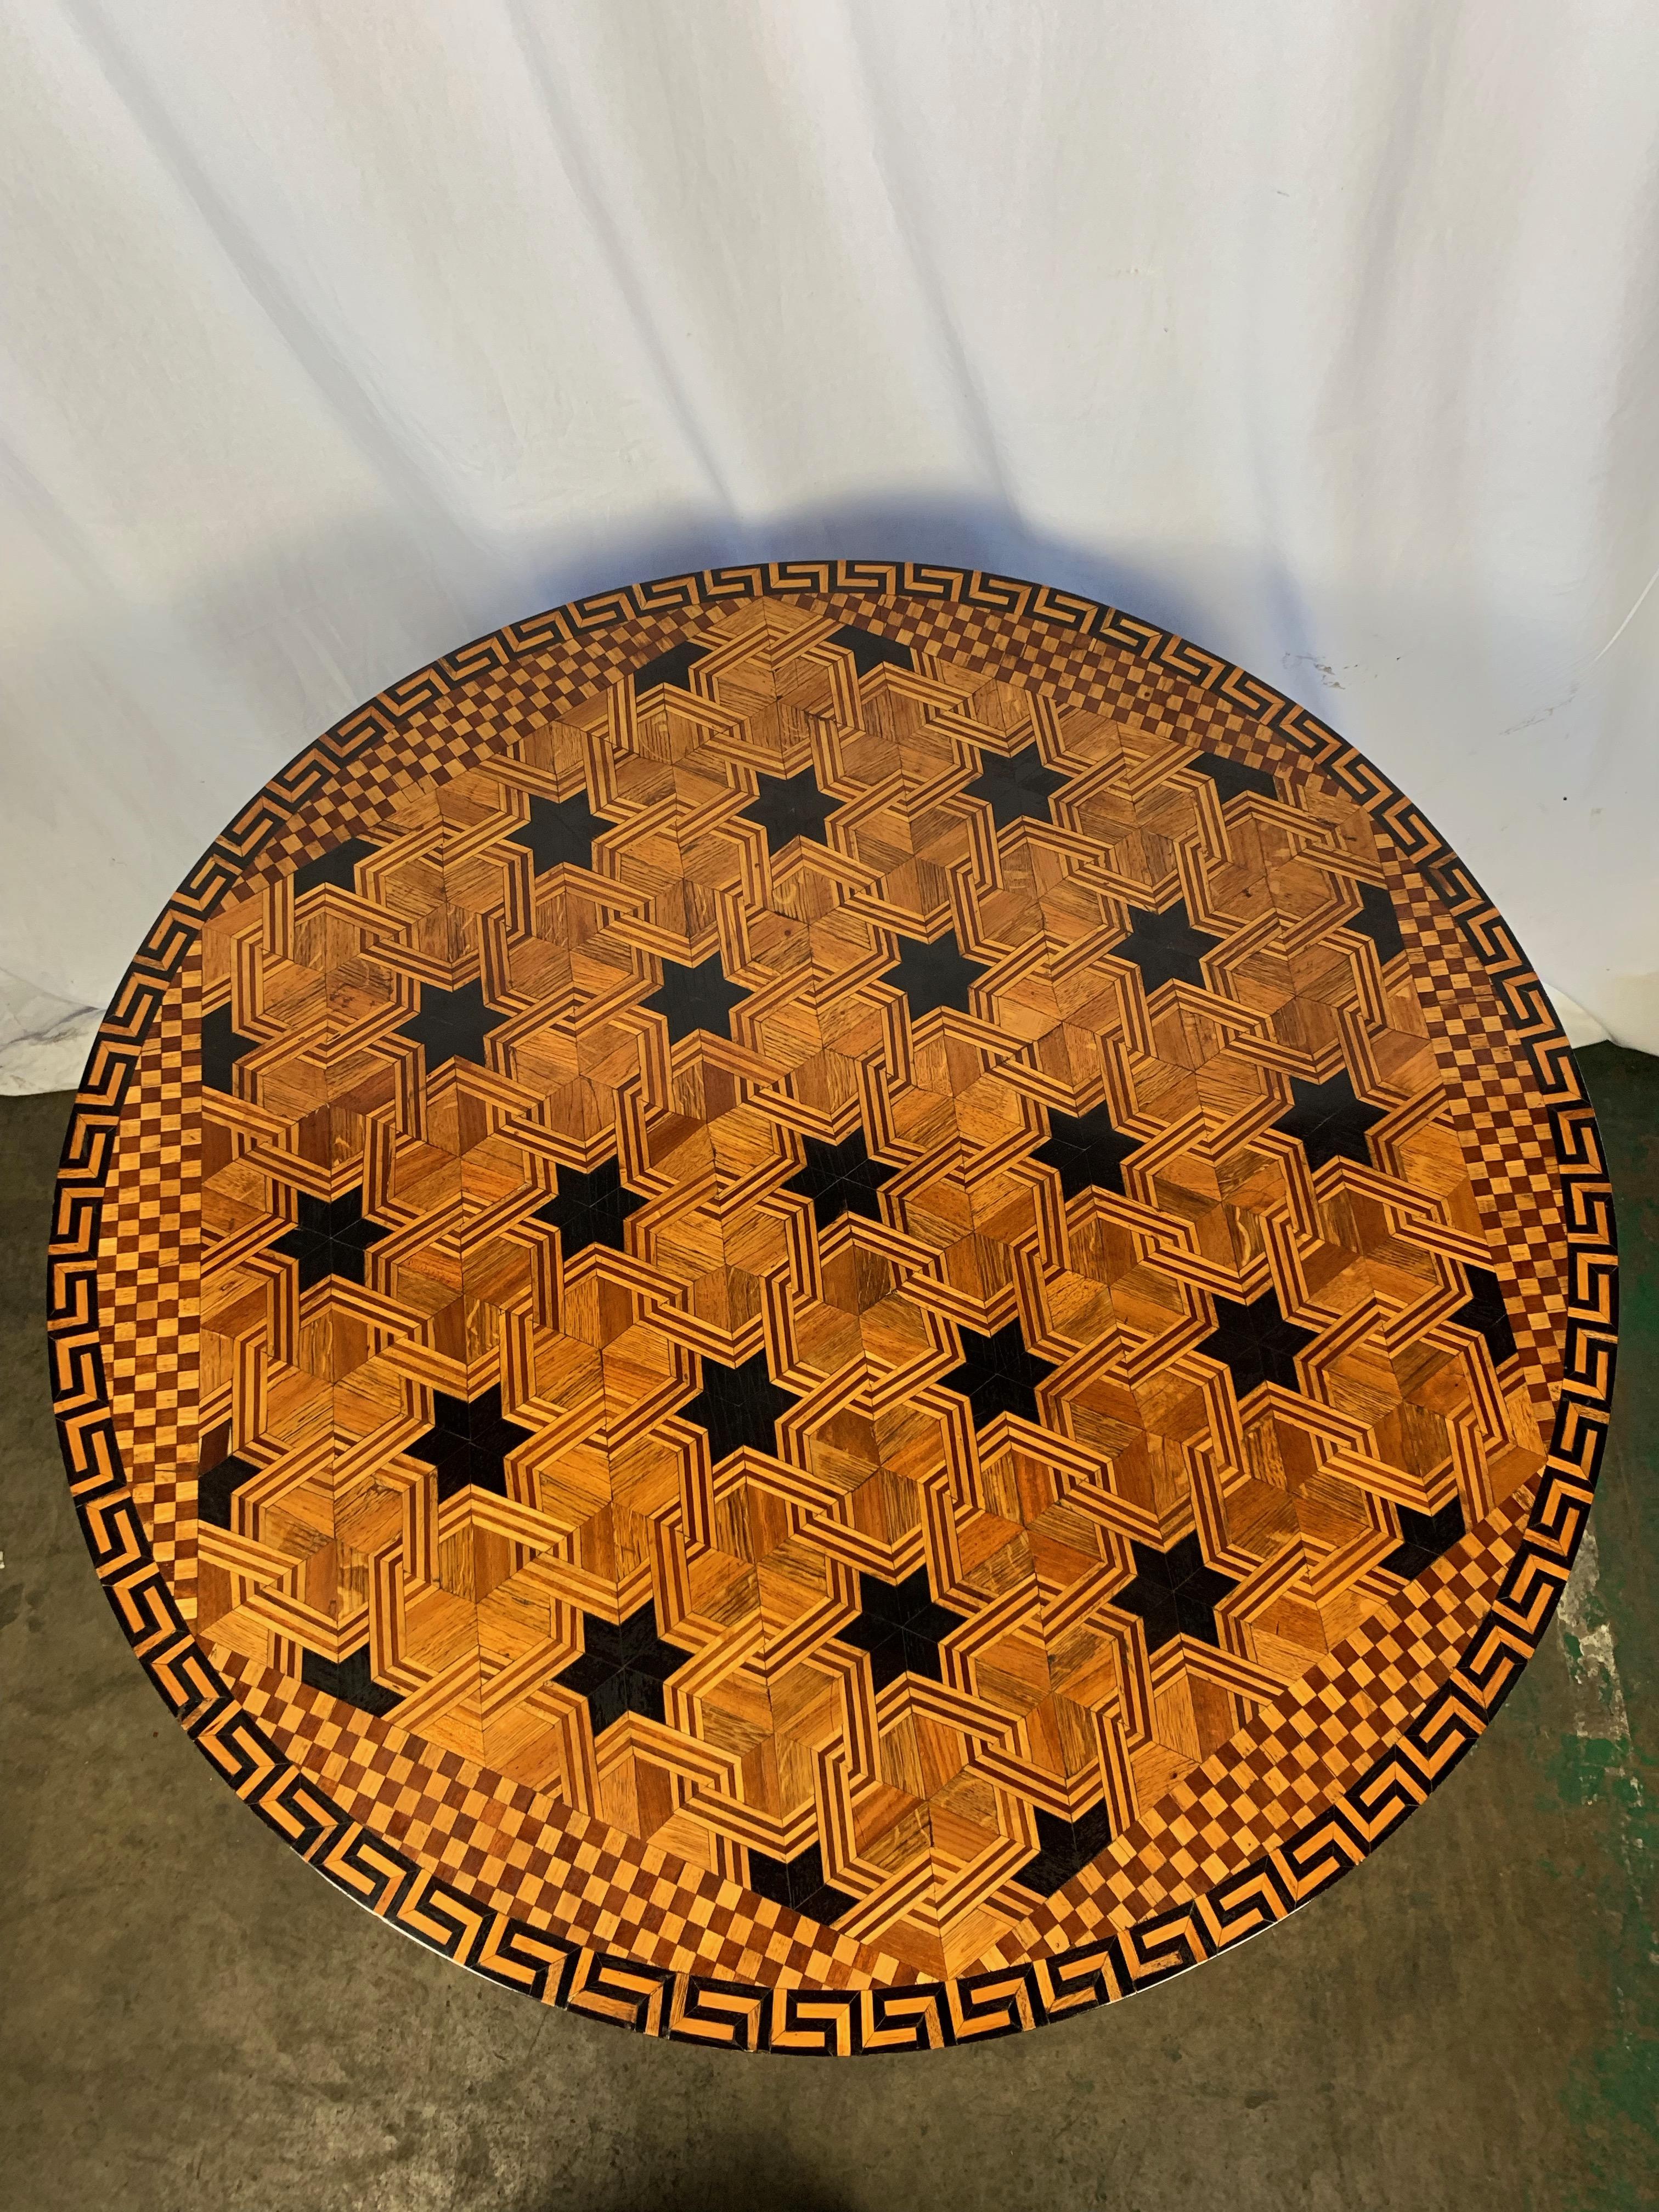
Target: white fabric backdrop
pixel 334 336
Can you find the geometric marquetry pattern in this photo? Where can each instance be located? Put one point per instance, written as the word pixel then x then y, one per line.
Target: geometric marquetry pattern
pixel 832 1307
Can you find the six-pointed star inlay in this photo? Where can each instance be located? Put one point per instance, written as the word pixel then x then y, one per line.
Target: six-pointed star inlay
pixel 468 1442
pixel 934 975
pixel 740 1406
pixel 349 1679
pixel 695 998
pixel 1329 1120
pixel 1233 777
pixel 1377 920
pixel 220 1050
pixel 217 1487
pixel 1087 1149
pixel 1424 1537
pixel 1174 1593
pixel 870 652
pixel 1016 787
pixel 798 1883
pixel 1165 946
pixel 791 806
pixel 590 1209
pixel 560 833
pixel 453 1025
pixel 330 1238
pixel 1256 1344
pixel 1064 1849
pixel 901 1627
pixel 1485 1311
pixel 338 866
pixel 673 668
pixel 623 1668
pixel 998 1374
pixel 840 1179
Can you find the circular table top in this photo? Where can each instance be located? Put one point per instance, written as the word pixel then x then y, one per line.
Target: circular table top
pixel 832 1307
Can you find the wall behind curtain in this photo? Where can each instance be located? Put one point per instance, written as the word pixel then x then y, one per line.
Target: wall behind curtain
pixel 333 336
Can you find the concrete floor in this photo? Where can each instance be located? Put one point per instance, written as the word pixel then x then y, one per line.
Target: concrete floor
pixel 190 2017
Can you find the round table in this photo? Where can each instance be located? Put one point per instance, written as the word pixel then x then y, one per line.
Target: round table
pixel 832 1308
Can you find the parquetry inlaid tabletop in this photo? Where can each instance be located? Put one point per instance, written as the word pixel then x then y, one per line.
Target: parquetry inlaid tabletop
pixel 832 1307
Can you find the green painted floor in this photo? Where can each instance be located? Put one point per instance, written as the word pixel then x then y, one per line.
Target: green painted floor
pixel 190 2018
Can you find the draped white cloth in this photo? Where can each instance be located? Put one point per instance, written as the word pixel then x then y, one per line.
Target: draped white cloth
pixel 1322 330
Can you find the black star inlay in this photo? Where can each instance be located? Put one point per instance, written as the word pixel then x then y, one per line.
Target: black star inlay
pixel 673 668
pixel 453 1025
pixel 1015 788
pixel 1329 1121
pixel 1087 1150
pixel 1231 777
pixel 933 976
pixel 1425 1537
pixel 220 1050
pixel 215 1487
pixel 1377 920
pixel 1165 947
pixel 1174 1593
pixel 1257 1343
pixel 693 998
pixel 468 1442
pixel 1486 1311
pixel 798 1883
pixel 840 1179
pixel 338 868
pixel 330 1238
pixel 560 833
pixel 1064 1849
pixel 738 1407
pixel 869 651
pixel 349 1679
pixel 900 1626
pixel 590 1209
pixel 998 1375
pixel 791 806
pixel 623 1668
